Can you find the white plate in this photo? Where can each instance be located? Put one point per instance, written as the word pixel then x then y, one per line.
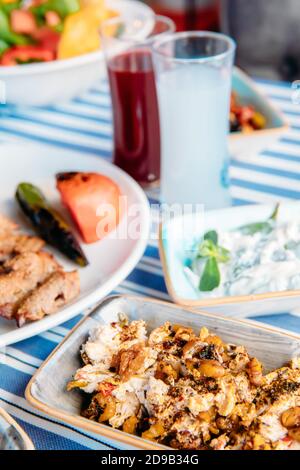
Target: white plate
pixel 111 260
pixel 180 233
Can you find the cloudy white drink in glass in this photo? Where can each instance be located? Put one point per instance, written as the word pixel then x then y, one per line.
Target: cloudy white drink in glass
pixel 194 84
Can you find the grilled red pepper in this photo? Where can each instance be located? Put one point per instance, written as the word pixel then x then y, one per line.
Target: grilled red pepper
pixel 26 54
pixel 47 38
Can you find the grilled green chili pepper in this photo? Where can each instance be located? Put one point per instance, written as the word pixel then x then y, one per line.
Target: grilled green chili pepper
pixel 49 223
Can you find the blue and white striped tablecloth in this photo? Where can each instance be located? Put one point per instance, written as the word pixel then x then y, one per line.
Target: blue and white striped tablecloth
pixel 84 125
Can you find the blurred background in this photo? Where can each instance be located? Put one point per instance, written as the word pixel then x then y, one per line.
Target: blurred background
pixel 267 31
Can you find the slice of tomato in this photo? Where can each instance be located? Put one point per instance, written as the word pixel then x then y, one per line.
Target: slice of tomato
pixel 23 22
pixel 47 38
pixel 94 201
pixel 26 54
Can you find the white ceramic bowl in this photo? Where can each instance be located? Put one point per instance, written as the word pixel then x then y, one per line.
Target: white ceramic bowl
pixel 178 234
pixel 58 81
pixel 243 145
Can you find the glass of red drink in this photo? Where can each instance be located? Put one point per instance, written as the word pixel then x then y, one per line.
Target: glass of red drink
pixel 127 43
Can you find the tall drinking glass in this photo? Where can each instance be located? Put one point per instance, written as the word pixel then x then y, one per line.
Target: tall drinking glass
pixel 128 44
pixel 194 71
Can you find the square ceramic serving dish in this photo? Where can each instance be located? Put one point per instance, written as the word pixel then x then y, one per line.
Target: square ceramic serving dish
pixel 179 235
pixel 47 389
pixel 243 145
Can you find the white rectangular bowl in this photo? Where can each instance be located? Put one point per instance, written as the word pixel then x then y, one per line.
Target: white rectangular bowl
pixel 47 389
pixel 180 233
pixel 243 145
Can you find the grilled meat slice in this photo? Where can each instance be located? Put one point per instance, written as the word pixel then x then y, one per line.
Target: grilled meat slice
pixel 6 225
pixel 58 290
pixel 15 244
pixel 20 276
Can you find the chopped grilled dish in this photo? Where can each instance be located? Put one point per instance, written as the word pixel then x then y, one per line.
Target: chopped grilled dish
pixel 49 223
pixel 20 276
pixel 187 390
pixel 57 291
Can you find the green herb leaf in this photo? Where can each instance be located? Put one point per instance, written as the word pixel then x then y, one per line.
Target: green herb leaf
pixel 62 7
pixel 275 213
pixel 212 235
pixel 3 46
pixel 7 35
pixel 211 276
pixel 9 7
pixel 207 249
pixel 262 227
pixel 223 255
pixel 4 22
pixel 292 245
pixel 210 251
pixel 252 229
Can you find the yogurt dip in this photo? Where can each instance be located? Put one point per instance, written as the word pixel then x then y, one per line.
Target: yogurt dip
pixel 266 261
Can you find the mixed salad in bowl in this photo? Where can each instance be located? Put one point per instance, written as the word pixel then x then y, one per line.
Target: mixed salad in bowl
pixel 52 48
pixel 46 30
